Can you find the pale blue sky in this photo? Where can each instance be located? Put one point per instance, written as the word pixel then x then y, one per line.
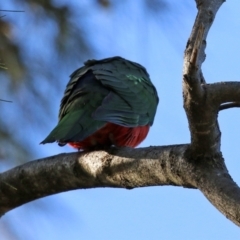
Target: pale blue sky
pixel 167 213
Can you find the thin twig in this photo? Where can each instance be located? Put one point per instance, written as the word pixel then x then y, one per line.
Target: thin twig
pixel 1 10
pixel 5 101
pixel 229 105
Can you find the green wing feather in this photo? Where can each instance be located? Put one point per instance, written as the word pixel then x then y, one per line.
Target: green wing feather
pixel 130 82
pixel 110 90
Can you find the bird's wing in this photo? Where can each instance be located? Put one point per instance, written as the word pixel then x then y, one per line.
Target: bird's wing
pixel 133 98
pixel 77 106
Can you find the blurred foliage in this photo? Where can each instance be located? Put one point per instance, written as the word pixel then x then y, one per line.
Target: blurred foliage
pixel 104 3
pixel 23 67
pixel 156 6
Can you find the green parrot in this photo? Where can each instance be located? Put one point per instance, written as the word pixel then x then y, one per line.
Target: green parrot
pixel 106 102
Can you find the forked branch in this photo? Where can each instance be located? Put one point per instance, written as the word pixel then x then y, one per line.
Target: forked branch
pixel 200 108
pixel 202 103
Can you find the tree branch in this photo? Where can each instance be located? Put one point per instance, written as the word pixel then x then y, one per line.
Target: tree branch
pixel 224 92
pixel 125 168
pixel 222 192
pixel 201 103
pixel 121 168
pixel 200 108
pixel 229 105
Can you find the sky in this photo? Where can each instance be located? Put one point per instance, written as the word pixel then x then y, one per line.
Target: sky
pixel 152 212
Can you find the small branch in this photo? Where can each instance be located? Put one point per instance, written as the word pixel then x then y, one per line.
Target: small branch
pixel 2 10
pixel 229 105
pixel 224 92
pixel 2 100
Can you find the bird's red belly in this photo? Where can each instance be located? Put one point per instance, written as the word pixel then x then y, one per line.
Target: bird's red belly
pixel 112 134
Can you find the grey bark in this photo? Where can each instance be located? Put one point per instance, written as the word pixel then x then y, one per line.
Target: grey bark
pixel 197 165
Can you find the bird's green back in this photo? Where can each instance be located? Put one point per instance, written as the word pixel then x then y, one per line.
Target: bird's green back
pixel 110 90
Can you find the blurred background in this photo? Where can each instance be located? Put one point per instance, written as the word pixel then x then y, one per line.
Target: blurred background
pixel 41 43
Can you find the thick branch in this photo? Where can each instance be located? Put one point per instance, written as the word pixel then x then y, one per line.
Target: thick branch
pixel 222 192
pixel 125 168
pixel 122 168
pixel 211 177
pixel 200 108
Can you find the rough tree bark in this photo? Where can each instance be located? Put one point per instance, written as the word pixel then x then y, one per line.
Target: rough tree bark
pixel 196 165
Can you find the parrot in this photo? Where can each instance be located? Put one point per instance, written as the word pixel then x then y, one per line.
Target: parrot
pixel 107 102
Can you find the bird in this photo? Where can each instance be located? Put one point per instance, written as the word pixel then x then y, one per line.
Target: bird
pixel 108 102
